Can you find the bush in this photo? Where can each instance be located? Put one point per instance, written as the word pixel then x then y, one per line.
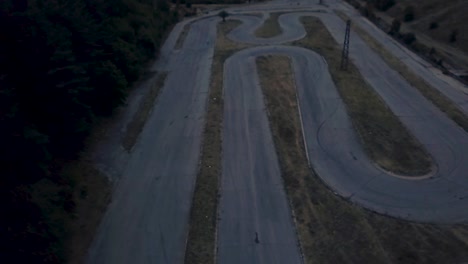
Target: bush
pixel 433 25
pixel 383 5
pixel 113 88
pixel 453 36
pixel 408 38
pixel 395 29
pixel 163 6
pixel 223 14
pixel 409 14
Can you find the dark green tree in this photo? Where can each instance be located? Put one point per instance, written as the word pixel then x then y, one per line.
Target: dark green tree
pixel 223 14
pixel 409 14
pixel 395 28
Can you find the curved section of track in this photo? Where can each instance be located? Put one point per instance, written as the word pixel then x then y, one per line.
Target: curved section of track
pixel 255 223
pixel 334 149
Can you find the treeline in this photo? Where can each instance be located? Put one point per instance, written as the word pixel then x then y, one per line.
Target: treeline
pixel 63 63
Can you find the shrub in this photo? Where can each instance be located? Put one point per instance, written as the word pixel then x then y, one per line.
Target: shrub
pixel 112 85
pixel 433 25
pixel 409 14
pixel 384 5
pixel 408 38
pixel 395 29
pixel 453 36
pixel 223 14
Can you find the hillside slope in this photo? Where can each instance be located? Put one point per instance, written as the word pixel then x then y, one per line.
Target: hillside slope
pixel 445 17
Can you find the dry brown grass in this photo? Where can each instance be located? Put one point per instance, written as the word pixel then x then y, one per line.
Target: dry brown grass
pixel 135 127
pixel 332 230
pixel 202 234
pixel 431 93
pixel 327 226
pixel 385 139
pixel 270 27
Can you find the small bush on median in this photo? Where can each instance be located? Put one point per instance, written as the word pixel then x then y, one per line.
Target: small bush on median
pixel 409 14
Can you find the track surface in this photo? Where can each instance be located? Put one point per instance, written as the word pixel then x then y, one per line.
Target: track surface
pixel 340 161
pixel 255 223
pixel 147 221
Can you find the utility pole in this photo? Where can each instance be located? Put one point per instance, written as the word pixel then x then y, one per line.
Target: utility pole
pixel 344 54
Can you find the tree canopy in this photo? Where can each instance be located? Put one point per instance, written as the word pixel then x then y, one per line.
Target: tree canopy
pixel 62 64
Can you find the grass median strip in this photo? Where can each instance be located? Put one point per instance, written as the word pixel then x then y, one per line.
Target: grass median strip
pixel 320 231
pixel 201 242
pixel 135 127
pixel 330 229
pixel 270 27
pixel 385 139
pixel 432 94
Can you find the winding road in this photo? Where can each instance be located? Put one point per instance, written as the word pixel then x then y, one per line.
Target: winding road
pixel 147 221
pixel 336 154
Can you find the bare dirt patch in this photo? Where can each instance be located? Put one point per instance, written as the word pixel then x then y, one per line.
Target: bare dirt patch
pixel 201 242
pixel 332 230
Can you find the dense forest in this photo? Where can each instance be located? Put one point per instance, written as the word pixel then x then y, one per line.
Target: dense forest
pixel 63 64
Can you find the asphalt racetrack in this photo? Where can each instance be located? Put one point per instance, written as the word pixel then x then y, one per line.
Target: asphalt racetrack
pixel 147 221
